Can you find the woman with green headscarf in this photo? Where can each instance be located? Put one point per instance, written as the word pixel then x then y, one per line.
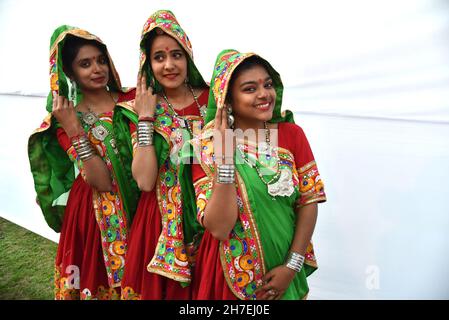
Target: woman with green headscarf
pixel 82 176
pixel 257 188
pixel 171 94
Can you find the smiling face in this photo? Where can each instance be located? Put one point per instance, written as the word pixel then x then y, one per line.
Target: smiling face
pixel 168 62
pixel 252 95
pixel 90 68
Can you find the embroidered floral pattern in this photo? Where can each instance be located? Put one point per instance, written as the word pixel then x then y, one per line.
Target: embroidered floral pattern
pixel 66 290
pixel 128 293
pixel 203 193
pixel 223 71
pixel 109 212
pixel 311 185
pixel 242 255
pixel 166 20
pixel 171 257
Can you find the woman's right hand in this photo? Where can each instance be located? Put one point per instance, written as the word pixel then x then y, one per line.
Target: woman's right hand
pixel 145 102
pixel 65 113
pixel 224 142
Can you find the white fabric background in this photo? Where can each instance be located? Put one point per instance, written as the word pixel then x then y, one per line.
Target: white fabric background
pixel 368 82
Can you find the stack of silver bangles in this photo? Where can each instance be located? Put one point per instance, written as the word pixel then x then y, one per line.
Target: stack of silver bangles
pixel 294 261
pixel 145 131
pixel 83 148
pixel 225 173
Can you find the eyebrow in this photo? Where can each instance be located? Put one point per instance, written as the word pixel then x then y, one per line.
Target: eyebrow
pixel 163 51
pixel 254 82
pixel 92 58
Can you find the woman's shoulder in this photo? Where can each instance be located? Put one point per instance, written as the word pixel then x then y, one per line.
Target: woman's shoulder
pixel 127 94
pixel 290 129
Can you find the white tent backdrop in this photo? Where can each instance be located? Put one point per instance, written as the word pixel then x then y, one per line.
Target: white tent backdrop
pixel 368 82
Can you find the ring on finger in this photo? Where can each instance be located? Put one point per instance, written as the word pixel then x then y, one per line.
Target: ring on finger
pixel 272 292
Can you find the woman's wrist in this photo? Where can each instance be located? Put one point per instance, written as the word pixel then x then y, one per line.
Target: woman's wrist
pixel 294 261
pixel 74 131
pixel 146 113
pixel 225 173
pixel 145 131
pixel 146 118
pixel 82 146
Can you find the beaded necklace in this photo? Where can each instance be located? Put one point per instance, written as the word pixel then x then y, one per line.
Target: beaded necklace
pixel 183 121
pixel 266 149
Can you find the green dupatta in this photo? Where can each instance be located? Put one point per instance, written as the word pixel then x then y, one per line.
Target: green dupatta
pixel 176 245
pixel 52 169
pixel 262 236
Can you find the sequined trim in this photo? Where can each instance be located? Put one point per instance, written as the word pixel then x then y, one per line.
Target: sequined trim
pixel 110 215
pixel 171 258
pixel 128 293
pixel 203 192
pixel 223 71
pixel 65 291
pixel 311 185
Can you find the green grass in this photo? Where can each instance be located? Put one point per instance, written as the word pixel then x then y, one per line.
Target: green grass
pixel 26 264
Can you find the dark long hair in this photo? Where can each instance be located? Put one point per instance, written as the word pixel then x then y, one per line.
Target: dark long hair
pixel 72 46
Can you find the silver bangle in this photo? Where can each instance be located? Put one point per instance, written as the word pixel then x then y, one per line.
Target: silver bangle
pixel 145 130
pixel 225 173
pixel 83 147
pixel 294 261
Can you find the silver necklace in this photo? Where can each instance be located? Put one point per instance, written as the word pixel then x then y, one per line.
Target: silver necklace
pixel 183 121
pixel 281 184
pixel 99 131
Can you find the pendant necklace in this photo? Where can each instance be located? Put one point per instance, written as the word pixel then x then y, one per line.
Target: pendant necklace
pixel 183 121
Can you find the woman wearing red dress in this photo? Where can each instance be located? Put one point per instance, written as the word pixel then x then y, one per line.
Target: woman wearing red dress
pixel 92 209
pixel 170 96
pixel 256 196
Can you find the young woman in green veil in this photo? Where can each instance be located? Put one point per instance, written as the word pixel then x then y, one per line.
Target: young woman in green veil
pixel 171 94
pixel 257 188
pixel 82 176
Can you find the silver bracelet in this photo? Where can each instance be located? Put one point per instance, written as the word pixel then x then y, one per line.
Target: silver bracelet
pixel 145 131
pixel 83 147
pixel 225 173
pixel 294 261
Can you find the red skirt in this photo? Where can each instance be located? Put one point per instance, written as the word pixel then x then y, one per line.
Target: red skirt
pixel 137 282
pixel 209 282
pixel 80 272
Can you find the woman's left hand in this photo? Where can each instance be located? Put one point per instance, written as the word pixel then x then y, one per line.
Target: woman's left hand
pixel 276 282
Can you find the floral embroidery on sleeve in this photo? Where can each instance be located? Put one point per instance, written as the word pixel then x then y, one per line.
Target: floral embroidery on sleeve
pixel 73 156
pixel 203 193
pixel 311 186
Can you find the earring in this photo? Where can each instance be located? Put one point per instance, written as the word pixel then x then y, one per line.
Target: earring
pixel 186 80
pixel 230 117
pixel 72 91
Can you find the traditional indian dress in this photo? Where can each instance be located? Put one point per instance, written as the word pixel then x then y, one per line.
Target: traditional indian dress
pixel 162 246
pixel 271 182
pixel 94 225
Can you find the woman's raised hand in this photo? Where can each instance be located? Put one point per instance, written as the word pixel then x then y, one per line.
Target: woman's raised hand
pixel 64 111
pixel 145 103
pixel 224 142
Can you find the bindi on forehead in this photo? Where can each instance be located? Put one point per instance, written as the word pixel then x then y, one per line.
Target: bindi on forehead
pixel 261 81
pixel 167 49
